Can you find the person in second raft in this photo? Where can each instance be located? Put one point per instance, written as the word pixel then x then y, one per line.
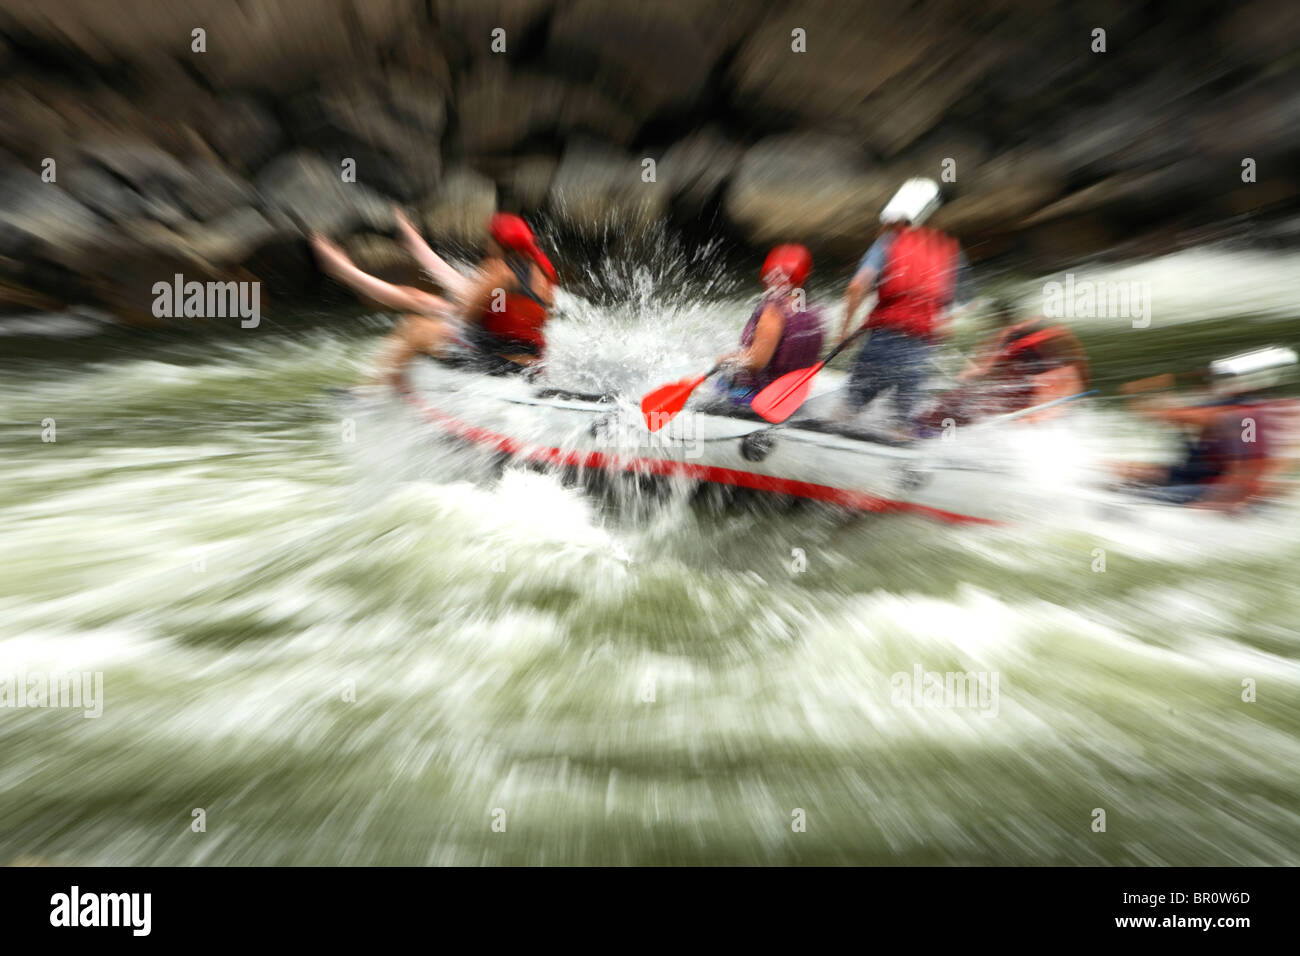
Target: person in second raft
pixel 783 334
pixel 917 273
pixel 1238 441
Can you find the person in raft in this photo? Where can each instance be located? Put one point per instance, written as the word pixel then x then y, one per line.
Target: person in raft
pixel 783 334
pixel 493 319
pixel 1238 441
pixel 918 274
pixel 1027 363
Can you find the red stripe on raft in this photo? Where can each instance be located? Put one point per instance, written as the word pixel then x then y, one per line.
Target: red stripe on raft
pixel 856 500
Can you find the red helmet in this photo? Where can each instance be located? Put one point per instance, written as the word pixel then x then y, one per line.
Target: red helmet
pixel 513 234
pixel 791 262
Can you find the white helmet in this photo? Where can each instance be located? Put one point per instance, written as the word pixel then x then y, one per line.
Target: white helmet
pixel 915 200
pixel 1251 371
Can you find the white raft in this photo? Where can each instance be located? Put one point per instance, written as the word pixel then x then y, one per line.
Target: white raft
pixel 969 476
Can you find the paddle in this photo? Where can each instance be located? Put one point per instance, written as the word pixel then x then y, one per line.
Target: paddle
pixel 783 397
pixel 666 401
pixel 1036 408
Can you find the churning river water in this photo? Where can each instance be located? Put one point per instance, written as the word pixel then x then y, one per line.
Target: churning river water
pixel 322 651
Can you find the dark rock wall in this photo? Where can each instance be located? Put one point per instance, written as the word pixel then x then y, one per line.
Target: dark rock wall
pixel 215 163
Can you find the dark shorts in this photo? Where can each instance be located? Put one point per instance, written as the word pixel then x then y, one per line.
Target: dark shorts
pixel 890 360
pixel 474 349
pixel 1174 494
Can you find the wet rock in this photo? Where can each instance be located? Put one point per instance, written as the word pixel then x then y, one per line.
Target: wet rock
pixel 1260 32
pixel 999 192
pixel 465 27
pixel 272 44
pixel 240 131
pixel 1261 121
pixel 913 102
pixel 597 189
pixel 462 208
pixel 74 322
pixel 807 188
pixel 501 111
pixel 237 235
pixel 956 158
pixel 526 184
pixel 391 126
pixel 380 255
pixel 210 190
pixel 695 168
pixel 14 297
pixel 313 194
pixel 41 220
pixel 102 192
pixel 851 52
pixel 30 126
pixel 653 57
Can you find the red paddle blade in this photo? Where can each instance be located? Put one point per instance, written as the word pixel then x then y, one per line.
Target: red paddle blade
pixel 783 397
pixel 664 402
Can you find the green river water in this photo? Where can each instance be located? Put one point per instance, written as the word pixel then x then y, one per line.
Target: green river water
pixel 350 653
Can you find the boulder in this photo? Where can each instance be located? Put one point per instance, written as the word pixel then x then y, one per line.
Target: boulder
pixel 465 27
pixel 41 220
pixel 695 168
pixel 655 58
pixel 102 192
pixel 807 188
pixel 969 154
pixel 1260 32
pixel 312 193
pixel 236 236
pixel 851 51
pixel 526 184
pixel 29 125
pixel 271 44
pixel 999 192
pixel 1260 120
pixel 210 190
pixel 914 101
pixel 501 111
pixel 597 190
pixel 391 126
pixel 462 208
pixel 241 131
pixel 380 255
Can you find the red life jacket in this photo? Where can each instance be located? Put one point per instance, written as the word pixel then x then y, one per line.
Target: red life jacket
pixel 517 327
pixel 1034 347
pixel 1026 350
pixel 917 283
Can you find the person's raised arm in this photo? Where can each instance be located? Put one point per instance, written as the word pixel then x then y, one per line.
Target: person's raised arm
pixel 335 263
pixel 457 285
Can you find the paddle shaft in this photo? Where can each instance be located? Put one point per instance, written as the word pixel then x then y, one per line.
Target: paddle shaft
pixel 845 344
pixel 1038 408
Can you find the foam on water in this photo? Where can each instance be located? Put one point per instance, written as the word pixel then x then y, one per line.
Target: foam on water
pixel 353 652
